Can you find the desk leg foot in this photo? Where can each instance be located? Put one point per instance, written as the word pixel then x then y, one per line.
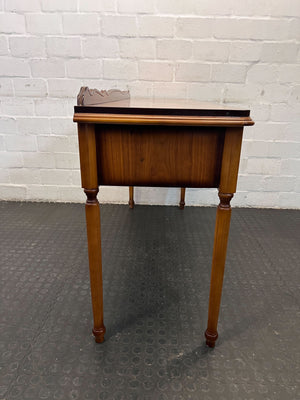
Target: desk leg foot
pixel 211 338
pixel 182 196
pixel 99 334
pixel 131 201
pixel 92 211
pixel 218 266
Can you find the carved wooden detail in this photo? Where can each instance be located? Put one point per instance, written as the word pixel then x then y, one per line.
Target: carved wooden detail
pixel 91 195
pixel 225 199
pixel 90 97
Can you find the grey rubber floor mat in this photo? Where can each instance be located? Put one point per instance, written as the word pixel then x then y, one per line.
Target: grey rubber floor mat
pixel 156 270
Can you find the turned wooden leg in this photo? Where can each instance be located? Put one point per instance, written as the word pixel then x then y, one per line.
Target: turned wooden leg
pixel 182 196
pixel 131 201
pixel 92 211
pixel 218 265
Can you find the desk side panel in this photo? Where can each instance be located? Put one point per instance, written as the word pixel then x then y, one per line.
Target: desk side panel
pixel 159 156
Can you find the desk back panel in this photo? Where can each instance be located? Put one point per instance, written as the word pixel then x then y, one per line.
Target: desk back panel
pixel 159 155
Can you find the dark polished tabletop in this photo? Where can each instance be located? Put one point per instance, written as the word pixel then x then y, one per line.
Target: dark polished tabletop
pixel 149 106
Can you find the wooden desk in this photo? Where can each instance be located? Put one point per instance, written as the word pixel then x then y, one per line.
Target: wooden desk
pixel 143 143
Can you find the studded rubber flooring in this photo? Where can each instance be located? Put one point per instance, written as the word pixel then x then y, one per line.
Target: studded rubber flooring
pixel 156 267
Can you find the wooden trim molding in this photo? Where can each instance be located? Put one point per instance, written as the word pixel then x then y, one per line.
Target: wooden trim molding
pixel 175 120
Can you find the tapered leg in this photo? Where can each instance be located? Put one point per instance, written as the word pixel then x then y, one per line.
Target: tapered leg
pixel 92 211
pixel 218 266
pixel 182 196
pixel 131 201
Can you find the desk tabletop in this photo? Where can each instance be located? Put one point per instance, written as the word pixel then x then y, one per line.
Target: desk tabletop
pixel 162 111
pixel 158 106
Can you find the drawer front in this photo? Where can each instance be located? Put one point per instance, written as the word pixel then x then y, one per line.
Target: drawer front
pixel 159 155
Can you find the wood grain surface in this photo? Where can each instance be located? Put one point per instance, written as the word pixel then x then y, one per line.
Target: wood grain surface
pixel 141 156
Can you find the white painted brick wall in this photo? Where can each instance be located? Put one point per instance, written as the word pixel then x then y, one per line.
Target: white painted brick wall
pixel 156 26
pixel 196 28
pixel 97 5
pixel 20 143
pixel 2 144
pixel 16 107
pixel 79 68
pixel 43 24
pixel 22 46
pixel 192 72
pixel 117 25
pixel 22 5
pixel 289 73
pixel 176 7
pixel 21 176
pixel 63 46
pixel 53 143
pixel 120 69
pixel 28 87
pixel 211 50
pixel 12 23
pixel 34 126
pixel 14 67
pixel 6 87
pixel 58 5
pixel 170 49
pixel 244 53
pixel 137 48
pixel 63 88
pixel 3 45
pixel 228 73
pixel 155 70
pixel 51 107
pixel 81 24
pixel 47 68
pixel 205 91
pixel 98 47
pixel 135 6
